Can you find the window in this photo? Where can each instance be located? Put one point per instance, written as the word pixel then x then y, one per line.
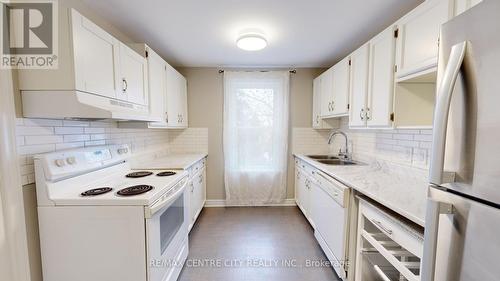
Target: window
pixel 255 129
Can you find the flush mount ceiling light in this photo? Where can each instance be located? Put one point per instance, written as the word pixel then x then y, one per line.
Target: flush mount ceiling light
pixel 251 42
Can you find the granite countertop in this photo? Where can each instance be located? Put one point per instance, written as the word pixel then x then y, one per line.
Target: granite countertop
pixel 399 188
pixel 171 161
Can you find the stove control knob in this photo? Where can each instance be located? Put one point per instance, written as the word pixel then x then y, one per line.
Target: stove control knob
pixel 122 150
pixel 60 162
pixel 71 160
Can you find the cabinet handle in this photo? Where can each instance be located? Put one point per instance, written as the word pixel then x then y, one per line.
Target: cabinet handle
pixel 317 119
pixel 361 113
pixel 192 187
pixel 201 179
pixel 166 117
pixel 382 227
pixel 125 85
pixel 333 105
pixel 367 114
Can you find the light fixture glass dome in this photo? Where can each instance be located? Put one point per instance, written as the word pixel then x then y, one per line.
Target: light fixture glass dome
pixel 251 42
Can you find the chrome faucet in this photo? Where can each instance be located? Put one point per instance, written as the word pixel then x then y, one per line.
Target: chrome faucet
pixel 346 153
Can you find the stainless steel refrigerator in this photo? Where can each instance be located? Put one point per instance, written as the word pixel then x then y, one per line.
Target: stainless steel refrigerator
pixel 462 230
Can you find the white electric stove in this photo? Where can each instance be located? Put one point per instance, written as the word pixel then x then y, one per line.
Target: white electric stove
pixel 99 220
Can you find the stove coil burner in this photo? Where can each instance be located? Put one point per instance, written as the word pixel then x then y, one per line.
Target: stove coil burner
pixel 96 191
pixel 135 190
pixel 166 174
pixel 139 174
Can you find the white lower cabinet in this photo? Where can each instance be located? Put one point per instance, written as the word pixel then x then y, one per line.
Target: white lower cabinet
pixel 302 194
pixel 196 190
pixel 388 247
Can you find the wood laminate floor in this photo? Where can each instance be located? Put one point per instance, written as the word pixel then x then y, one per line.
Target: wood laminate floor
pixel 263 243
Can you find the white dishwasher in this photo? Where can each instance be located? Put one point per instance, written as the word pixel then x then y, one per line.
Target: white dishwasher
pixel 330 215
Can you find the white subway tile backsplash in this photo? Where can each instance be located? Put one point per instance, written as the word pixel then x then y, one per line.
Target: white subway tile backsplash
pixel 92 143
pixel 33 131
pixel 43 139
pixel 68 130
pixel 423 138
pixel 68 145
pixel 35 149
pixel 403 136
pixel 403 146
pixel 76 138
pixel 94 130
pixel 36 136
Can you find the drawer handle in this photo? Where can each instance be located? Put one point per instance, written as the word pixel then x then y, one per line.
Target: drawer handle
pixel 382 227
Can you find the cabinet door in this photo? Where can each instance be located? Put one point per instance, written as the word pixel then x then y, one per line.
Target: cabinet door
pixel 302 192
pixel 326 92
pixel 316 110
pixel 418 35
pixel 133 69
pixel 157 88
pixel 381 81
pixel 203 196
pixel 340 98
pixel 183 106
pixel 359 86
pixel 173 98
pixel 96 55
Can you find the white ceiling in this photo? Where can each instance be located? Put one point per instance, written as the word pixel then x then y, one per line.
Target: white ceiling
pixel 301 33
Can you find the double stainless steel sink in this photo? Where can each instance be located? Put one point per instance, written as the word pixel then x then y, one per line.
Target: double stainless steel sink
pixel 332 160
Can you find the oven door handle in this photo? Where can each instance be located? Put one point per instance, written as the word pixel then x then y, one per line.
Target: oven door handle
pixel 166 199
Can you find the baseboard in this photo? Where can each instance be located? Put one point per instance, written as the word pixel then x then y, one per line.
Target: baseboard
pixel 222 203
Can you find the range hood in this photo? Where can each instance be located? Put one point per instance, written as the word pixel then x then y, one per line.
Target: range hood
pixel 75 104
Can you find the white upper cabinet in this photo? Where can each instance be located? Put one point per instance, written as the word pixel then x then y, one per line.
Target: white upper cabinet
pixel 97 76
pixel 316 104
pixel 177 113
pixel 157 81
pixel 317 120
pixel 326 86
pixel 418 37
pixel 94 49
pixel 381 79
pixel 340 100
pixel 359 86
pixel 134 76
pixel 183 113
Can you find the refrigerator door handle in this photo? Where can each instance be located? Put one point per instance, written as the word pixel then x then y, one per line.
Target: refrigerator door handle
pixel 434 210
pixel 444 93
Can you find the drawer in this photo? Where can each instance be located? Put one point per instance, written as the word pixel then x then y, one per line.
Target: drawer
pixel 400 232
pixel 198 166
pixel 305 167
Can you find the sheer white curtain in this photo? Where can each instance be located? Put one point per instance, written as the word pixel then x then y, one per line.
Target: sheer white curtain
pixel 256 106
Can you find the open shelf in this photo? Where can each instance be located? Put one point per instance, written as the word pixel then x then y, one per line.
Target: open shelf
pixel 414 104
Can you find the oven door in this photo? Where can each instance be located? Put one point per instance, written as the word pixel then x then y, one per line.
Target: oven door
pixel 167 232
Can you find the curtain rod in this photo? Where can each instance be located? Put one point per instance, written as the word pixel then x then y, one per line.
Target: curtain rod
pixel 293 71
